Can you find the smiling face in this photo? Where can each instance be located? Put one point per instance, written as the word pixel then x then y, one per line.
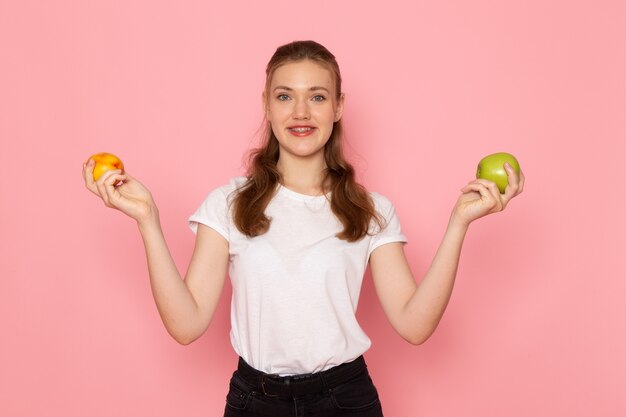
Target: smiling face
pixel 301 105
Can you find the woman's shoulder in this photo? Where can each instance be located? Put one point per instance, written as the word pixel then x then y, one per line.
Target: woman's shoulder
pixel 235 183
pixel 225 192
pixel 229 187
pixel 380 201
pixel 383 206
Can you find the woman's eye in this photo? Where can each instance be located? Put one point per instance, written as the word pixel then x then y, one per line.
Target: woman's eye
pixel 283 97
pixel 319 98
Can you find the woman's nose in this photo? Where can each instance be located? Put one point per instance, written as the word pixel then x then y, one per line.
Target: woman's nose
pixel 301 110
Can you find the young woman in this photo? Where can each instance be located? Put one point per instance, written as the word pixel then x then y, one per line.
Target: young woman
pixel 295 237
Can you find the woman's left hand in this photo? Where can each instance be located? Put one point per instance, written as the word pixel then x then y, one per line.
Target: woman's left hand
pixel 482 197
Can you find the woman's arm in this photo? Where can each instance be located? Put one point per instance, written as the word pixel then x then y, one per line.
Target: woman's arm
pixel 415 310
pixel 186 306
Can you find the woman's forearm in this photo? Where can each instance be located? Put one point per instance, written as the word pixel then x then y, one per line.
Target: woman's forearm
pixel 430 299
pixel 175 302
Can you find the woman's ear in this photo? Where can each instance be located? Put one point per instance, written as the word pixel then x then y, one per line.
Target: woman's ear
pixel 264 104
pixel 339 109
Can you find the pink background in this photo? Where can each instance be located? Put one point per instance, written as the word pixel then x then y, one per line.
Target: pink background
pixel 536 325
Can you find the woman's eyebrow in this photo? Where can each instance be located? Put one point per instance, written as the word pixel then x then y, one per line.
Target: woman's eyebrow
pixel 315 88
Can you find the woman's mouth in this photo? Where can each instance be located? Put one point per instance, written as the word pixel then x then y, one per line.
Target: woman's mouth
pixel 301 131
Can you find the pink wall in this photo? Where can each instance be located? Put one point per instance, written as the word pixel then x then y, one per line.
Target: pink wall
pixel 536 326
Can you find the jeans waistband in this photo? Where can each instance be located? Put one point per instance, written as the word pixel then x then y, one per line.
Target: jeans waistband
pixel 273 385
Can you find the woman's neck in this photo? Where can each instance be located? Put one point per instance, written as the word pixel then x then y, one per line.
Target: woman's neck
pixel 303 175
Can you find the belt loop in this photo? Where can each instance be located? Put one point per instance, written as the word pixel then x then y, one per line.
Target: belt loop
pixel 263 379
pixel 324 383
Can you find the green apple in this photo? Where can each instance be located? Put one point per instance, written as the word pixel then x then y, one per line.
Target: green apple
pixel 491 168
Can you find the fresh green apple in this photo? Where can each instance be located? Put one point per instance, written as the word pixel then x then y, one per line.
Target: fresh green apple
pixel 104 162
pixel 491 168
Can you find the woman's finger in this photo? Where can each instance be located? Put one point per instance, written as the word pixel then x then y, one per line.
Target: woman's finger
pixel 512 187
pixel 88 176
pixel 101 185
pixel 522 180
pixel 485 194
pixel 492 187
pixel 484 183
pixel 515 185
pixel 489 193
pixel 110 183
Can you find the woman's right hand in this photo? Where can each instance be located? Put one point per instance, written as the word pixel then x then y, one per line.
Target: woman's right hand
pixel 121 191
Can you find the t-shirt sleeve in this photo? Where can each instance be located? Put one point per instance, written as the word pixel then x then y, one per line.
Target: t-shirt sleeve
pixel 214 213
pixel 390 230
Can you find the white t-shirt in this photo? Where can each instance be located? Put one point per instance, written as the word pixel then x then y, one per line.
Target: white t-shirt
pixel 296 287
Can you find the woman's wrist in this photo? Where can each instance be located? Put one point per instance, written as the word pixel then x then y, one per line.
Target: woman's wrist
pixel 149 220
pixel 458 224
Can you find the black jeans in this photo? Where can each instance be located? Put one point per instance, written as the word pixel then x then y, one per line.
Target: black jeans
pixel 352 395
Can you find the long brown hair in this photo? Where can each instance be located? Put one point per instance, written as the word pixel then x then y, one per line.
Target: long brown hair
pixel 349 200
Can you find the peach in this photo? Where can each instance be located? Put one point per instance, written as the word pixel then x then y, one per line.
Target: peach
pixel 104 162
